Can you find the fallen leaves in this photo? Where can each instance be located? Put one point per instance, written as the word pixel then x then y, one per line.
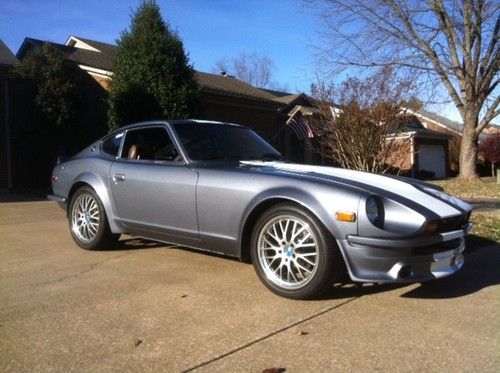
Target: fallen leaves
pixel 302 332
pixel 274 370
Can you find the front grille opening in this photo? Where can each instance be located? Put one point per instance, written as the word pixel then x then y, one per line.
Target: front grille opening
pixel 436 248
pixel 453 223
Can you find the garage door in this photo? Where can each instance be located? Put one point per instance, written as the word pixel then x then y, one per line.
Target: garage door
pixel 431 158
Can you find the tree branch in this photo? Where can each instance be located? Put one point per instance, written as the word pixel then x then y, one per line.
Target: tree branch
pixel 491 113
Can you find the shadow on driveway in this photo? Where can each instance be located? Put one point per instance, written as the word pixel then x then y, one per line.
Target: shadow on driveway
pixel 481 269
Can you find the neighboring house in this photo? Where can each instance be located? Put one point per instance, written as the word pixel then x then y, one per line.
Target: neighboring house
pixel 438 123
pixel 7 62
pixel 424 152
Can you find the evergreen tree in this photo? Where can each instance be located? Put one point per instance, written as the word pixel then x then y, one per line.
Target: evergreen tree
pixel 54 85
pixel 50 90
pixel 152 76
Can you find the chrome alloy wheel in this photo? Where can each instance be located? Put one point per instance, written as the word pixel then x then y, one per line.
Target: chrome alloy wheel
pixel 85 217
pixel 287 251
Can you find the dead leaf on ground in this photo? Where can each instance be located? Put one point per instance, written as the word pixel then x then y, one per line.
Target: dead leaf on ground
pixel 274 370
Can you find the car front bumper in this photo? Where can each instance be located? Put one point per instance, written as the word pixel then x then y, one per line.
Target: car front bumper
pixel 404 260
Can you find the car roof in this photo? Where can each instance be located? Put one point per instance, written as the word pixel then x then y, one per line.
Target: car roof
pixel 152 123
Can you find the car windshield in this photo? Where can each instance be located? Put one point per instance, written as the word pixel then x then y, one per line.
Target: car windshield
pixel 223 142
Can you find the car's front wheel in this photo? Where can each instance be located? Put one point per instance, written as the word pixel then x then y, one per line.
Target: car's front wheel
pixel 293 254
pixel 87 220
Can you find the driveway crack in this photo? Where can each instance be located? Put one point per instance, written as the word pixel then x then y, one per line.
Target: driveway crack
pixel 89 269
pixel 267 336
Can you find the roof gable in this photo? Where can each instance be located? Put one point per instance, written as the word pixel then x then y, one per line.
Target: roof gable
pixel 437 119
pixel 7 58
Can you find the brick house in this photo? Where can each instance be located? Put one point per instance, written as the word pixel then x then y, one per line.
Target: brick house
pixel 225 98
pixel 444 127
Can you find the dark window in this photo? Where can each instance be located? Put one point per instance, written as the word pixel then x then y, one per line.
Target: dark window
pixel 213 141
pixel 111 145
pixel 153 144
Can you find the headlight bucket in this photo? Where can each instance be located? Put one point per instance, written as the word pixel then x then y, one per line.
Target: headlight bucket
pixel 375 211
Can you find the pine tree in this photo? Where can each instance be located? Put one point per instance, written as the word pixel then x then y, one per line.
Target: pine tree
pixel 152 76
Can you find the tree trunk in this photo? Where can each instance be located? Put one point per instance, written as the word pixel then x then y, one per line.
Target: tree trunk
pixel 468 147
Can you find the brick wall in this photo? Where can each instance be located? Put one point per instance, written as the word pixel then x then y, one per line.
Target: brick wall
pixel 400 158
pixel 103 82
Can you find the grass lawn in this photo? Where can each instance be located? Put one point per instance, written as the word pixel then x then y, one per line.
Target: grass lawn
pixel 484 188
pixel 487 223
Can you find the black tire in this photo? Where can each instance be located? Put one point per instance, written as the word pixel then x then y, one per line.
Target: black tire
pixel 98 234
pixel 301 280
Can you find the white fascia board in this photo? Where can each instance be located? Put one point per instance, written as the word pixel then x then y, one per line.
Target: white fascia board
pixel 104 73
pixel 402 135
pixel 77 43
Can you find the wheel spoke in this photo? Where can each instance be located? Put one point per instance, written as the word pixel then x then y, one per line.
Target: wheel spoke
pixel 305 238
pixel 271 245
pixel 303 228
pixel 302 269
pixel 291 271
pixel 305 260
pixel 312 244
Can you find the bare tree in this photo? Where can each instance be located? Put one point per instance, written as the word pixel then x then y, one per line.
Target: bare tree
pixel 253 69
pixel 361 123
pixel 454 43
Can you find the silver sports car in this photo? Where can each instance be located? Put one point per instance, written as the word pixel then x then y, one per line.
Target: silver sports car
pixel 220 187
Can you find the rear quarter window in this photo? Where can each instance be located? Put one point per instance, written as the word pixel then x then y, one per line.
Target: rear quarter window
pixel 111 145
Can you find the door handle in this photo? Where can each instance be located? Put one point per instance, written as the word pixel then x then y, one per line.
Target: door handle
pixel 118 177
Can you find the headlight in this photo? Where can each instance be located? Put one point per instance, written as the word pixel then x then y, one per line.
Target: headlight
pixel 375 211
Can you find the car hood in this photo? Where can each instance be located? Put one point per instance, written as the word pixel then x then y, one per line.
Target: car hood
pixel 418 192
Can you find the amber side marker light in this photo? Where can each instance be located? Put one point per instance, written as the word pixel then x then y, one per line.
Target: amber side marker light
pixel 345 216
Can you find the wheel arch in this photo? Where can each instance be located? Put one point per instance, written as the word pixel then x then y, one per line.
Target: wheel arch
pixel 98 185
pixel 263 203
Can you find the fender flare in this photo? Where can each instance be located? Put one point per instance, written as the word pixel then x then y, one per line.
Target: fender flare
pixel 102 191
pixel 294 195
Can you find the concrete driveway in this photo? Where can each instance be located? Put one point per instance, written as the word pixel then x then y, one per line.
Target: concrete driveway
pixel 147 306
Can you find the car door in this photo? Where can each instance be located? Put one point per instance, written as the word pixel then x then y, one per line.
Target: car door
pixel 153 189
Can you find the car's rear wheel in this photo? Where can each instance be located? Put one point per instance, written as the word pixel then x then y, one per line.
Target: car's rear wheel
pixel 293 254
pixel 87 219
